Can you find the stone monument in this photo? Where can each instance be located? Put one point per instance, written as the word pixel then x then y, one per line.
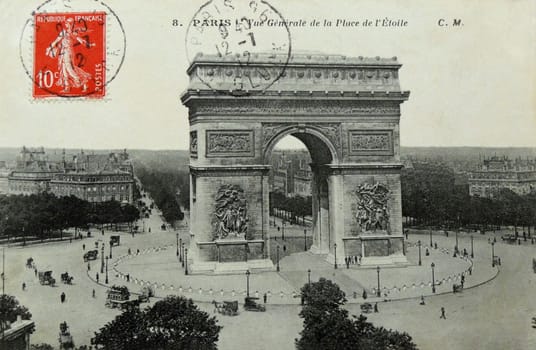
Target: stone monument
pixel 346 110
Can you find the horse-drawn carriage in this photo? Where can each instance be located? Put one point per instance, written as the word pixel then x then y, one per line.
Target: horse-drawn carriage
pixel 114 240
pixel 366 308
pixel 119 297
pixel 65 337
pixel 91 255
pixel 229 308
pixel 145 294
pixel 251 305
pixel 509 238
pixel 65 278
pixel 45 277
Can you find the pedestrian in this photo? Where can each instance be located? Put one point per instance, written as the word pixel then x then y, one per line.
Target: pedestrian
pixel 137 251
pixel 494 239
pixel 35 271
pixel 284 248
pixel 376 308
pixel 23 286
pixel 97 277
pixel 129 251
pixel 364 294
pixel 427 252
pixel 62 297
pixel 422 300
pixel 84 246
pixel 128 277
pixel 93 293
pixel 88 266
pixel 149 230
pixel 347 261
pixel 70 239
pixel 443 313
pixel 265 298
pixel 435 245
pixel 102 231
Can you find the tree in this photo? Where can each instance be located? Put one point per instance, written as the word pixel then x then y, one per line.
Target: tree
pixel 327 326
pixel 172 323
pixel 10 309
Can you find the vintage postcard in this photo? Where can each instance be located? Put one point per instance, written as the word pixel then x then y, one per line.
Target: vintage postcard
pixel 268 174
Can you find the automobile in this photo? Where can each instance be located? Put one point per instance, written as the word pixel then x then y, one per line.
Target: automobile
pixel 91 255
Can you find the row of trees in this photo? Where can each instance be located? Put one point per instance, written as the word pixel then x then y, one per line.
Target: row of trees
pixel 432 196
pixel 169 190
pixel 296 207
pixel 44 214
pixel 328 326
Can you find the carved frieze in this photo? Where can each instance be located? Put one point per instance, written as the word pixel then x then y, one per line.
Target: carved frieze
pixel 372 208
pixel 297 107
pixel 230 218
pixel 230 143
pixel 193 144
pixel 371 142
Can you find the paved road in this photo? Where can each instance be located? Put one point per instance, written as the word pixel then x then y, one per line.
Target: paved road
pixel 493 316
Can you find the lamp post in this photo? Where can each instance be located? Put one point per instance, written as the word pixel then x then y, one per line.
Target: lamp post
pixel 378 293
pixel 335 252
pixel 431 244
pixel 185 261
pixel 247 282
pixel 492 254
pixel 110 249
pixel 283 231
pixel 309 276
pixel 305 240
pixel 102 259
pixel 419 244
pixel 457 240
pixel 106 280
pixel 182 254
pixel 433 278
pixel 177 252
pixel 277 258
pixel 472 253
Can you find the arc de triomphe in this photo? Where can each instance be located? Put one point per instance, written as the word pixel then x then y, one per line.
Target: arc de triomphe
pixel 346 110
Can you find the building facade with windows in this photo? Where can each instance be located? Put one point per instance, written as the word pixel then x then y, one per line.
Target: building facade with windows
pixel 291 172
pixel 91 177
pixel 496 173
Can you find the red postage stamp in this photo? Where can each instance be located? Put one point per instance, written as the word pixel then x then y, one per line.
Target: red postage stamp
pixel 69 55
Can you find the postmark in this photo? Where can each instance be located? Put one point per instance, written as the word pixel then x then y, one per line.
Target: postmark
pixel 241 33
pixel 72 50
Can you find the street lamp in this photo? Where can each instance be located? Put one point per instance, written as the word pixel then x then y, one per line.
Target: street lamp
pixel 305 240
pixel 102 259
pixel 283 231
pixel 472 254
pixel 177 251
pixel 433 278
pixel 335 251
pixel 247 282
pixel 492 254
pixel 182 254
pixel 378 293
pixel 106 281
pixel 277 258
pixel 111 249
pixel 186 261
pixel 309 276
pixel 431 239
pixel 457 240
pixel 420 261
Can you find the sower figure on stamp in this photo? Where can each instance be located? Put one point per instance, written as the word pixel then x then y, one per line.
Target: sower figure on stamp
pixel 63 48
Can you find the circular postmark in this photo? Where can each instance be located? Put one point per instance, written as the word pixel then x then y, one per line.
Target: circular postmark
pixel 247 42
pixel 72 49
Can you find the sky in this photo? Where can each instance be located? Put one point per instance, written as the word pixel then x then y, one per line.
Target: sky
pixel 471 85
